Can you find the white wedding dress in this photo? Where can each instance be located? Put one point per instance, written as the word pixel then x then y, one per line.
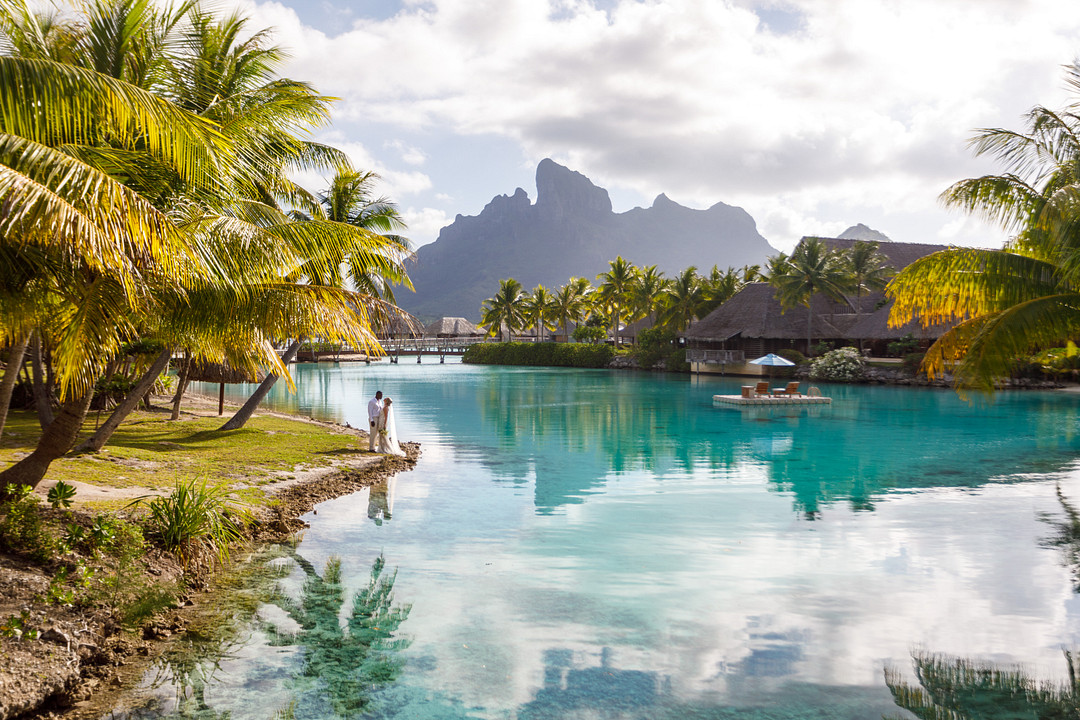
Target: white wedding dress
pixel 388 437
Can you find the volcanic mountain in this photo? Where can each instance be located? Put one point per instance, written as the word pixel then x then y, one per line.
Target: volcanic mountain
pixel 571 230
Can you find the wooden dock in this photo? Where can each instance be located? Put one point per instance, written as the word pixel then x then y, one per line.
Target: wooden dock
pixel 770 400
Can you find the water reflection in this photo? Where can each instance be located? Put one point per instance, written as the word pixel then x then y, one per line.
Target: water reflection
pixel 568 433
pixel 381 500
pixel 342 665
pixel 963 689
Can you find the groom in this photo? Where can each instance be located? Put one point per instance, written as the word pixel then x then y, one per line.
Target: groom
pixel 374 407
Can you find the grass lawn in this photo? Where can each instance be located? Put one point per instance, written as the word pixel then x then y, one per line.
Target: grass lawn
pixel 150 451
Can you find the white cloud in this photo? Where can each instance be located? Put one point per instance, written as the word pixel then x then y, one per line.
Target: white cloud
pixel 860 104
pixel 424 223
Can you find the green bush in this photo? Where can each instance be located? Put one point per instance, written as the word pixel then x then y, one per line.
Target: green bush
pixel 843 365
pixel 793 355
pixel 22 528
pixel 655 344
pixel 196 523
pixel 589 334
pixel 676 361
pixel 540 354
pixel 904 346
pixel 913 361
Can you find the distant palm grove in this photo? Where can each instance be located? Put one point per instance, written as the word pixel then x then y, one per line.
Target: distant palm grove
pixel 626 293
pixel 146 154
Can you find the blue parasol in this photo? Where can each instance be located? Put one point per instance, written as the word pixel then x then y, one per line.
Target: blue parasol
pixel 773 360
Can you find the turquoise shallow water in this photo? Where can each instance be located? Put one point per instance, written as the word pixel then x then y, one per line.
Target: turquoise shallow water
pixel 586 544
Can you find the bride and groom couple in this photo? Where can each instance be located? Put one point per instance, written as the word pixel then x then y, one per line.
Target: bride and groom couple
pixel 382 432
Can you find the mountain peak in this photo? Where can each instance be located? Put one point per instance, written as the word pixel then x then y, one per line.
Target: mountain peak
pixel 862 232
pixel 561 191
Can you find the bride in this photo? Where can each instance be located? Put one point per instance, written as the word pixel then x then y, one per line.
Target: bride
pixel 388 437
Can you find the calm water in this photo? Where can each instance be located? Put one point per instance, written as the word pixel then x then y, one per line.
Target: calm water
pixel 586 544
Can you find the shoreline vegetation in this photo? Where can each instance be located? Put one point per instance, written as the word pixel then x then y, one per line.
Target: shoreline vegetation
pixel 81 619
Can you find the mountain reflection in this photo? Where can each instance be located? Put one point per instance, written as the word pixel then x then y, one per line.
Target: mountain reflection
pixel 961 689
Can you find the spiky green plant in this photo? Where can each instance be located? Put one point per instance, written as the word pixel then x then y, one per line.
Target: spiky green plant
pixel 196 522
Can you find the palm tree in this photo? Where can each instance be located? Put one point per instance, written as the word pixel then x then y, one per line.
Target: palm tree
pixel 1005 303
pixel 569 303
pixel 647 291
pixel 615 286
pixel 683 298
pixel 811 269
pixel 718 288
pixel 870 270
pixel 505 308
pixel 539 309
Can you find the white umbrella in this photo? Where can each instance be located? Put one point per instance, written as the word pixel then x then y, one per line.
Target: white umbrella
pixel 773 360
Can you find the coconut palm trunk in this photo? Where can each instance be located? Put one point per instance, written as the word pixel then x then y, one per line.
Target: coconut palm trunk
pixel 244 414
pixel 41 393
pixel 181 386
pixel 96 441
pixel 11 374
pixel 55 442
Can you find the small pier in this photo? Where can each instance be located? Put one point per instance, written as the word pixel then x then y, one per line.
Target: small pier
pixel 770 400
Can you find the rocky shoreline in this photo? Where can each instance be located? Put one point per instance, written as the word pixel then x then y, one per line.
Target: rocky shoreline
pixel 81 660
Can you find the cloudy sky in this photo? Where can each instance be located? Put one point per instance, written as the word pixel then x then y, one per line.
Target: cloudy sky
pixel 813 115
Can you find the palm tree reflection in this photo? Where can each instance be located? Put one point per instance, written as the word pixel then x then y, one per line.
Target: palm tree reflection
pixel 960 689
pixel 342 665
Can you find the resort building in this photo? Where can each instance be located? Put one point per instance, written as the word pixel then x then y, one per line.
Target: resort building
pixel 753 322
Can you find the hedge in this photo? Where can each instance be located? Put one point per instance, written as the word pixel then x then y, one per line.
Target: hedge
pixel 582 355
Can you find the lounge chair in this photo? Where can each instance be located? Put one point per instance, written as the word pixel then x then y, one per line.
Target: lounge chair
pixel 762 388
pixel 791 390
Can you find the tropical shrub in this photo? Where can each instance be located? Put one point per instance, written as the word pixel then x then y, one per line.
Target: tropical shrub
pixel 589 334
pixel 22 529
pixel 60 495
pixel 913 361
pixel 904 346
pixel 793 355
pixel 195 522
pixel 842 365
pixel 540 354
pixel 1059 361
pixel 655 344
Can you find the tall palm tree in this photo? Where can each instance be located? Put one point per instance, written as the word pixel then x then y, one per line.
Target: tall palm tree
pixel 569 303
pixel 539 309
pixel 646 291
pixel 350 199
pixel 1006 302
pixel 811 269
pixel 683 298
pixel 869 268
pixel 717 288
pixel 505 308
pixel 615 287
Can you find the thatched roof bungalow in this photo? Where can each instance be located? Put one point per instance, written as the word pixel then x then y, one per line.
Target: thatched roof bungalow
pixel 452 327
pixel 753 322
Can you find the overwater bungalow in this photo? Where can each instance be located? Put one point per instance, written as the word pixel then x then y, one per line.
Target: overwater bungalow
pixel 753 322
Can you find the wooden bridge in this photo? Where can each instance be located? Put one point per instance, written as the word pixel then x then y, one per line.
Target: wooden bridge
pixel 396 347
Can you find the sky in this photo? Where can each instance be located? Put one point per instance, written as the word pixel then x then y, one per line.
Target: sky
pixel 812 115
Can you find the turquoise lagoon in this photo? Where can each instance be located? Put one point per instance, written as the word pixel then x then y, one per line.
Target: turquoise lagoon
pixel 589 544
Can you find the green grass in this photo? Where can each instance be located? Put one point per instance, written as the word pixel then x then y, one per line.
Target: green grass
pixel 150 451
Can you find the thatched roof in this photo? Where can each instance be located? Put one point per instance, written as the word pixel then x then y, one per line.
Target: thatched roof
pixel 452 327
pixel 900 254
pixel 755 312
pixel 202 371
